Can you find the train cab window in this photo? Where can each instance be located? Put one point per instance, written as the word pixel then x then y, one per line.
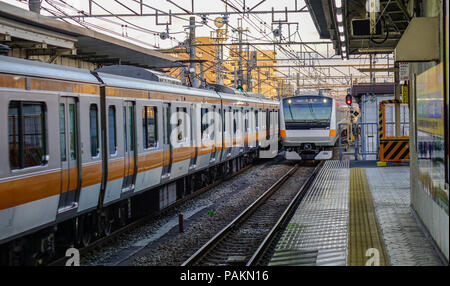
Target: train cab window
pixel 26 134
pixel 150 126
pixel 93 128
pixel 112 130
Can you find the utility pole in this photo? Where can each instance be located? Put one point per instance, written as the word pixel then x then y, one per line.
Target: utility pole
pixel 191 49
pixel 251 64
pixel 219 60
pixel 240 71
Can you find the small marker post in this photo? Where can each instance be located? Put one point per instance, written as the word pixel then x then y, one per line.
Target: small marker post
pixel 180 222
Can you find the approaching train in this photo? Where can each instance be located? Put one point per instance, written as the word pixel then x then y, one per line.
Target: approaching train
pixel 82 152
pixel 309 125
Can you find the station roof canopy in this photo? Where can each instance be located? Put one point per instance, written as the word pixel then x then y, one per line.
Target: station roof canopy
pixel 391 18
pixel 377 89
pixel 42 35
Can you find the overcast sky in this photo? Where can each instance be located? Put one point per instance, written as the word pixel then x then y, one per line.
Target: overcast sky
pixel 259 25
pixel 146 33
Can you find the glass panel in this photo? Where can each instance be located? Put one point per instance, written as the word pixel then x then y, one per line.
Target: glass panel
pixel 246 119
pixel 181 113
pixel 204 121
pixel 131 121
pixel 72 149
pixel 168 125
pixel 26 134
pixel 112 129
pixel 93 127
pixel 144 126
pixel 13 135
pixel 234 122
pixel 33 126
pixel 62 130
pixel 125 138
pixel 307 112
pixel 149 120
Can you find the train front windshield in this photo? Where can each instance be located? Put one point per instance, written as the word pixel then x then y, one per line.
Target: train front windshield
pixel 307 112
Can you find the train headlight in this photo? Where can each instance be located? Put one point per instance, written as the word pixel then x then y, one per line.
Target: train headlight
pixel 289 101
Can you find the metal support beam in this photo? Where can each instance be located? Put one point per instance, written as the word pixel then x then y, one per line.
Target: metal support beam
pixel 179 14
pixel 268 43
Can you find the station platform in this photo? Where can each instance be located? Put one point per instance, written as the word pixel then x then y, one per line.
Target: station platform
pixel 356 216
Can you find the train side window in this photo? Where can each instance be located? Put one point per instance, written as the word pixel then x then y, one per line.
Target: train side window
pixel 182 111
pixel 246 119
pixel 166 119
pixel 93 127
pixel 131 126
pixel 150 126
pixel 62 131
pixel 26 134
pixel 204 121
pixel 112 130
pixel 72 131
pixel 125 135
pixel 234 122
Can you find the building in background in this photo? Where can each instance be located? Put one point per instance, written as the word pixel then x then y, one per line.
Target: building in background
pixel 260 79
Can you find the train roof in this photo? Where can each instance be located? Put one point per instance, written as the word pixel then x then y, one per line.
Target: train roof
pixel 137 83
pixel 141 73
pixel 309 94
pixel 24 67
pixel 11 65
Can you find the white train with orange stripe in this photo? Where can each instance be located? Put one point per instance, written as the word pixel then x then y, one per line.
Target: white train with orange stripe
pixel 309 125
pixel 82 152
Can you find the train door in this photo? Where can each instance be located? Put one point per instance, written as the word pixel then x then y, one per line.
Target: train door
pixel 180 139
pixel 129 137
pixel 167 147
pixel 69 144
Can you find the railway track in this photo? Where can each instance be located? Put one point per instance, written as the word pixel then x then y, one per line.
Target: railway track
pixel 141 221
pixel 248 239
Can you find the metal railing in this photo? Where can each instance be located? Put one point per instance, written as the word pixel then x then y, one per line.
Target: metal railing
pixel 366 145
pixel 367 141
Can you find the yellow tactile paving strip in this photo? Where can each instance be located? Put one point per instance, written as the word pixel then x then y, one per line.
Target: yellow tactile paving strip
pixel 365 244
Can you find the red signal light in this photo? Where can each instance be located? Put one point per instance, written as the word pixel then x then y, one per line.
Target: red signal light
pixel 348 99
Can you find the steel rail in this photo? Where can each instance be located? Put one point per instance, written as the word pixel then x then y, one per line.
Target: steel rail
pixel 140 221
pixel 284 218
pixel 200 253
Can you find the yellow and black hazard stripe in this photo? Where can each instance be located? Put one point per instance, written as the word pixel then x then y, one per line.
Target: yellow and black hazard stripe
pixel 380 120
pixel 394 150
pixel 391 101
